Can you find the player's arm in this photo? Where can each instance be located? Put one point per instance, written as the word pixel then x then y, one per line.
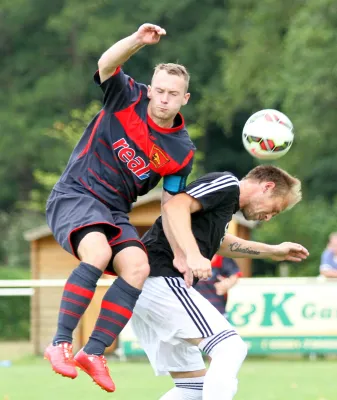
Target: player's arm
pixel 176 218
pixel 179 256
pixel 173 184
pixel 235 247
pixel 121 51
pixel 228 276
pixel 225 284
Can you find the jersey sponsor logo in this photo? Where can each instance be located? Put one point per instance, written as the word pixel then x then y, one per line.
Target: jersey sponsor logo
pixel 157 157
pixel 136 165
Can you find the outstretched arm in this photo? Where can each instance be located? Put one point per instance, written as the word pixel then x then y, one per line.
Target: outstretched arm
pixel 235 247
pixel 121 51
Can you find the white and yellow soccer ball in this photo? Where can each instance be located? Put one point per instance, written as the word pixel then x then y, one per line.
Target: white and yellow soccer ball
pixel 268 134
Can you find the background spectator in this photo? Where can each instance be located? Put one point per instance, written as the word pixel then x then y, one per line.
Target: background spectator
pixel 328 266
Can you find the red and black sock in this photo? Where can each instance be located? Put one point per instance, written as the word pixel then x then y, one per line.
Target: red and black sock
pixel 77 294
pixel 116 310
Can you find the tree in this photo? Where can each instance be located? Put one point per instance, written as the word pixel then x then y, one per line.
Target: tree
pixel 282 55
pixel 50 52
pixel 310 73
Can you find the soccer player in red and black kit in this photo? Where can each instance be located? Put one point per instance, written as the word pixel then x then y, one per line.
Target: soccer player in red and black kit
pixel 171 319
pixel 137 138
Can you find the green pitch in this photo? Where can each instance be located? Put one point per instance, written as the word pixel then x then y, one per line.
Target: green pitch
pixel 32 379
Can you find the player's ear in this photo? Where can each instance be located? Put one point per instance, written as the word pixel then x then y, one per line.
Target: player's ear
pixel 149 91
pixel 186 98
pixel 268 186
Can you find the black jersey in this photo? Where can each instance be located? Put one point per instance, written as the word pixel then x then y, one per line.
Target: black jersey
pixel 218 192
pixel 123 153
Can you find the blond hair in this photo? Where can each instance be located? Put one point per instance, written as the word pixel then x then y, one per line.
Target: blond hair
pixel 286 185
pixel 173 69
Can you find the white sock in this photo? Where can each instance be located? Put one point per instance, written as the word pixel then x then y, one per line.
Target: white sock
pixel 186 389
pixel 227 351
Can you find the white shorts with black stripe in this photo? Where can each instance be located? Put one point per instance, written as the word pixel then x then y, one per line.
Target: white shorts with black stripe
pixel 167 313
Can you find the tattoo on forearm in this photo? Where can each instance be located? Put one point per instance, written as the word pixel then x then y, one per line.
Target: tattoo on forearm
pixel 236 247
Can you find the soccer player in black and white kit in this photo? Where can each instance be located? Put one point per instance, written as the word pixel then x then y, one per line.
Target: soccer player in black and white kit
pixel 171 319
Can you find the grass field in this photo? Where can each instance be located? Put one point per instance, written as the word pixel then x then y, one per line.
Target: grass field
pixel 32 379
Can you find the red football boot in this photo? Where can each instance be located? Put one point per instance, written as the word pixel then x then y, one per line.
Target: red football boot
pixel 97 368
pixel 61 359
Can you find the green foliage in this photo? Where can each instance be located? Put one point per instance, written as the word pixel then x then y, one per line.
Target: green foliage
pixel 15 323
pixel 14 245
pixel 282 55
pixel 310 73
pixel 14 272
pixel 69 133
pixel 242 56
pixel 47 76
pixel 14 310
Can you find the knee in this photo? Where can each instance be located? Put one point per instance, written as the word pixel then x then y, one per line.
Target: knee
pixel 96 254
pixel 99 257
pixel 237 347
pixel 136 273
pixel 141 270
pixel 230 351
pixel 132 265
pixel 242 348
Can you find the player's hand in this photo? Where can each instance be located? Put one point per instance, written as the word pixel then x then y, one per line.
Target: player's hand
pixel 200 266
pixel 288 251
pixel 180 264
pixel 150 34
pixel 222 286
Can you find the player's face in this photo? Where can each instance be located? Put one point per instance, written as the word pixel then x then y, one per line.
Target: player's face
pixel 167 95
pixel 263 206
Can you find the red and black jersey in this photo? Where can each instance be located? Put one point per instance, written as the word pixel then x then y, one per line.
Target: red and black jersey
pixel 122 153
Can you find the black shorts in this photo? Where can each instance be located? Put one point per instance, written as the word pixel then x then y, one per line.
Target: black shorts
pixel 71 216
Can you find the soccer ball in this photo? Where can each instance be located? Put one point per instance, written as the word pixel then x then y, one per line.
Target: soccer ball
pixel 268 134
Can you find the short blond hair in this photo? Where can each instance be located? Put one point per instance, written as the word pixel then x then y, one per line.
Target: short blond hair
pixel 286 185
pixel 173 69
